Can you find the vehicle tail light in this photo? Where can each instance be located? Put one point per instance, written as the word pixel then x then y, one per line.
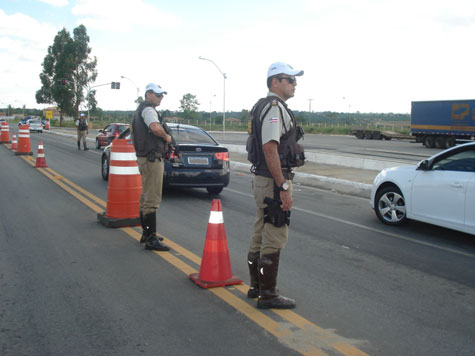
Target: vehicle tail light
pixel 224 156
pixel 174 155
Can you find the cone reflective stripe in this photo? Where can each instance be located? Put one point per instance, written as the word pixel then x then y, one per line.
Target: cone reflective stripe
pixel 40 157
pixel 14 145
pixel 124 188
pixel 24 141
pixel 5 133
pixel 215 269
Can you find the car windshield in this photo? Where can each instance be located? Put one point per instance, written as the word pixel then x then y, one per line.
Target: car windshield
pixel 34 121
pixel 187 135
pixel 122 128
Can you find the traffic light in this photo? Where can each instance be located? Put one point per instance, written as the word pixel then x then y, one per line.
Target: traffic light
pixel 63 81
pixel 115 85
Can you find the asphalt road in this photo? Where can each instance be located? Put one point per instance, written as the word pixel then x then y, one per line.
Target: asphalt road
pixel 399 150
pixel 71 286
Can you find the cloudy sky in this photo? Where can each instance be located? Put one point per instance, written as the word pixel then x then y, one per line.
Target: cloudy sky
pixel 358 55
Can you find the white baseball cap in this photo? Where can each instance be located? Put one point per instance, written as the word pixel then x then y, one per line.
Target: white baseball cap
pixel 156 88
pixel 82 114
pixel 282 68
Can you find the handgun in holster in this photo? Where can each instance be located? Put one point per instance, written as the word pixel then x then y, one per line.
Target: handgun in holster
pixel 273 213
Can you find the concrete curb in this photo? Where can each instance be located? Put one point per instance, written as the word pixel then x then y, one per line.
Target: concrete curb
pixel 327 183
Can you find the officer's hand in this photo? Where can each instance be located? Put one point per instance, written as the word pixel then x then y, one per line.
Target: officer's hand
pixel 286 198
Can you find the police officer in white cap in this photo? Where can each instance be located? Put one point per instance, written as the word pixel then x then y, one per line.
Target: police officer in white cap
pixel 151 145
pixel 271 150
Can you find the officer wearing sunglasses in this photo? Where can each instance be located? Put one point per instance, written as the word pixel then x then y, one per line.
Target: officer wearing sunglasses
pixel 274 126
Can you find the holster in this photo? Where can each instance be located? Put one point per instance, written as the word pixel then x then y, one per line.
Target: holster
pixel 273 213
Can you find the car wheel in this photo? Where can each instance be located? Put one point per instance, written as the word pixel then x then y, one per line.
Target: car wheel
pixel 98 145
pixel 390 206
pixel 105 167
pixel 214 190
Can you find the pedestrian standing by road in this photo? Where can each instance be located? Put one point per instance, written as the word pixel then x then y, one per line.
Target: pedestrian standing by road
pixel 273 150
pixel 83 130
pixel 151 143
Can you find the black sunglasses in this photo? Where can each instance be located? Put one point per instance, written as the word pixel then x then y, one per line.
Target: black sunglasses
pixel 291 80
pixel 158 95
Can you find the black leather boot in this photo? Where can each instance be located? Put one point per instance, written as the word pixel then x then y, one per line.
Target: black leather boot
pixel 269 297
pixel 252 260
pixel 79 145
pixel 85 146
pixel 152 242
pixel 143 237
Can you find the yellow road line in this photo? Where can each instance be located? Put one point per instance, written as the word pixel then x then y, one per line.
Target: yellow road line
pixel 308 340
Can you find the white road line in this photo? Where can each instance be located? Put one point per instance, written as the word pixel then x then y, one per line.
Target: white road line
pixel 398 236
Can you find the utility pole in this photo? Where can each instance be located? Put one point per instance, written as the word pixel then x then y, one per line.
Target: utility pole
pixel 309 105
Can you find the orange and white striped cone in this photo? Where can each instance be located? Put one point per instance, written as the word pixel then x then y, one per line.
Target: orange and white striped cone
pixel 24 141
pixel 215 269
pixel 5 133
pixel 47 125
pixel 40 157
pixel 124 188
pixel 14 145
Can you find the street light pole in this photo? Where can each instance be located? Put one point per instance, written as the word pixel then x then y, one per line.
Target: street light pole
pixel 224 91
pixel 210 101
pixel 136 87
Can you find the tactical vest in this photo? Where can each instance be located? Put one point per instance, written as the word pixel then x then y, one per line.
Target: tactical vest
pixel 291 153
pixel 82 125
pixel 145 142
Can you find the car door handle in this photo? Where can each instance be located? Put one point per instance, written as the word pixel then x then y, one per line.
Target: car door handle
pixel 456 185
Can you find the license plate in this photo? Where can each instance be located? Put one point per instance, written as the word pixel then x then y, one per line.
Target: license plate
pixel 198 160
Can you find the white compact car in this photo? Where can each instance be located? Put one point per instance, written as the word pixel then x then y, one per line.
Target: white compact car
pixel 439 191
pixel 35 125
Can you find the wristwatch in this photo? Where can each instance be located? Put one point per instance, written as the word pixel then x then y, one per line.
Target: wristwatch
pixel 284 187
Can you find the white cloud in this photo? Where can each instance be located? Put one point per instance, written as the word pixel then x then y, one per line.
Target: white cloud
pixel 23 45
pixel 57 3
pixel 122 16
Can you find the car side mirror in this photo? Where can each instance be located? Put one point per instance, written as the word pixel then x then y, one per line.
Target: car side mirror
pixel 423 165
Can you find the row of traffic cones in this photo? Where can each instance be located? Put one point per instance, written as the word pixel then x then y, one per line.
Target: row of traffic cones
pixel 123 199
pixel 22 146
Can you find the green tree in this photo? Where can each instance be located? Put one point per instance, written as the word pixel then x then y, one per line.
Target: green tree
pixel 67 72
pixel 189 106
pixel 245 116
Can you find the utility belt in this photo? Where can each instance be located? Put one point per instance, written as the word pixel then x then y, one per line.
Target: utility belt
pixel 153 155
pixel 273 213
pixel 288 173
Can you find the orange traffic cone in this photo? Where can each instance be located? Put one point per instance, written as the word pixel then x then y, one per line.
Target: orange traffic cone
pixel 5 133
pixel 125 187
pixel 14 145
pixel 40 158
pixel 47 125
pixel 215 269
pixel 24 141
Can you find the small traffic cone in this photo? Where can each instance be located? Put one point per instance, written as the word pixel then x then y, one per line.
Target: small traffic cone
pixel 47 125
pixel 14 144
pixel 215 269
pixel 5 133
pixel 40 158
pixel 24 141
pixel 124 187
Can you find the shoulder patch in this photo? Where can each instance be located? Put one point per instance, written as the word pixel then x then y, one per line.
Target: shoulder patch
pixel 274 102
